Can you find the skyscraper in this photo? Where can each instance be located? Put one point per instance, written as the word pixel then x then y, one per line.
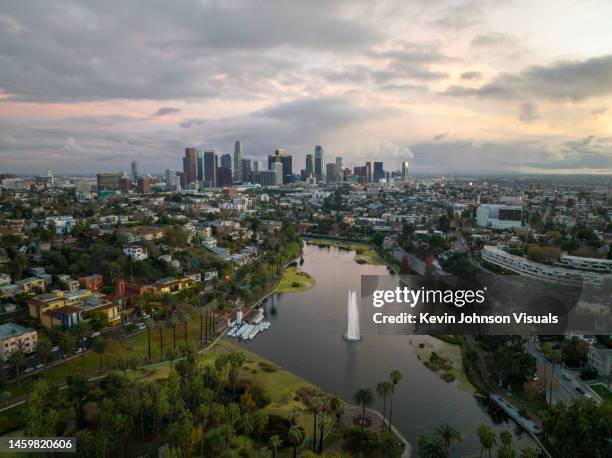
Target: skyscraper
pixel 134 171
pixel 278 173
pixel 171 180
pixel 368 178
pixel 286 161
pixel 226 161
pixel 200 165
pixel 318 162
pixel 238 161
pixel 338 168
pixel 309 166
pixel 379 173
pixel 190 165
pixel 404 169
pixel 330 172
pixel 144 185
pixel 210 169
pixel 245 175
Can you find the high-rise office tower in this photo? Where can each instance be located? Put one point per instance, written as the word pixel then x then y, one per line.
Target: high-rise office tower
pixel 309 166
pixel 330 172
pixel 134 171
pixel 318 162
pixel 190 165
pixel 379 173
pixel 246 170
pixel 171 180
pixel 108 181
pixel 256 165
pixel 368 178
pixel 277 167
pixel 404 169
pixel 226 161
pixel 144 185
pixel 210 169
pixel 224 177
pixel 286 161
pixel 238 161
pixel 338 168
pixel 200 165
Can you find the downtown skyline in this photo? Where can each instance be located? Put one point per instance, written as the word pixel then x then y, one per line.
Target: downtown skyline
pixel 450 86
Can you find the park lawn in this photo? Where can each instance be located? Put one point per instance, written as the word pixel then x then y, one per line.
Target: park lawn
pixel 89 365
pixel 363 251
pixel 295 281
pixel 602 391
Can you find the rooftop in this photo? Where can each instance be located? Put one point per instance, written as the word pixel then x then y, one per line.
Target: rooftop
pixel 11 330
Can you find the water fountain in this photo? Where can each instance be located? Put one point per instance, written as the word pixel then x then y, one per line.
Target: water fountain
pixel 353 333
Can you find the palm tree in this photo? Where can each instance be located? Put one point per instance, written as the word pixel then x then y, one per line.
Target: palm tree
pixel 337 407
pixel 160 327
pixel 172 354
pixel 296 436
pixel 80 330
pixel 17 360
pixel 364 397
pixel 172 322
pixel 315 404
pixel 383 389
pixel 202 315
pixel 395 377
pixel 44 349
pixel 247 426
pixel 275 442
pixel 99 346
pixel 448 434
pixel 432 447
pixel 529 452
pixel 149 340
pixel 486 436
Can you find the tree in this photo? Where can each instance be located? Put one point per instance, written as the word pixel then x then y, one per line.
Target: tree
pixel 296 436
pixel 486 436
pixel 275 442
pixel 80 330
pixel 99 320
pixel 316 403
pixel 383 389
pixel 529 452
pixel 260 421
pixel 248 425
pixel 44 349
pixel 99 346
pixel 78 392
pixel 364 397
pixel 395 377
pixel 432 447
pixel 448 434
pixel 172 354
pixel 17 361
pixel 66 343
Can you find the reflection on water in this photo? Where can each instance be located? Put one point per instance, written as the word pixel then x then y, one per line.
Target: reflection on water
pixel 306 338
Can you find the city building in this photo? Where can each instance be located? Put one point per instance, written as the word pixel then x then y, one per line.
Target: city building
pixel 190 166
pixel 210 169
pixel 91 282
pixel 125 184
pixel 286 161
pixel 339 168
pixel 404 169
pixel 309 171
pixel 226 161
pixel 369 176
pixel 61 224
pixel 600 359
pixel 238 161
pixel 136 253
pixel 14 337
pixel 172 180
pixel 318 162
pixel 144 184
pixel 278 173
pixel 135 174
pixel 224 176
pixel 379 172
pixel 330 172
pixel 246 171
pixel 108 181
pixel 498 216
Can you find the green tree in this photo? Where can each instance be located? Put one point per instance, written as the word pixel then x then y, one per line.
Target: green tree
pixel 448 434
pixel 99 346
pixel 383 389
pixel 363 397
pixel 17 361
pixel 432 447
pixel 275 442
pixel 395 377
pixel 486 436
pixel 78 393
pixel 44 349
pixel 296 437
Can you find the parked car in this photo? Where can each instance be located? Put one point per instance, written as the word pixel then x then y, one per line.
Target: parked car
pixel 566 377
pixel 580 390
pixel 40 366
pixel 96 334
pixel 79 350
pixel 56 348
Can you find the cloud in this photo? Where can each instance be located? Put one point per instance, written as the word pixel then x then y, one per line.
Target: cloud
pixel 599 111
pixel 471 76
pixel 564 80
pixel 529 112
pixel 163 111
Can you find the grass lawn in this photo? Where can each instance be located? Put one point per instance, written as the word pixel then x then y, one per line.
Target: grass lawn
pixel 603 391
pixel 89 365
pixel 295 281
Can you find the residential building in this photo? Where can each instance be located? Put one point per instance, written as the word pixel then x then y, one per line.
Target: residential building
pixel 498 216
pixel 14 337
pixel 136 253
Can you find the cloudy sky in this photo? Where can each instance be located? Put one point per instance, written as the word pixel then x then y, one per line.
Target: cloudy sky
pixel 453 86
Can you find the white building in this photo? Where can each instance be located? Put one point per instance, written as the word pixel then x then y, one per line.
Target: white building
pixel 499 216
pixel 63 224
pixel 601 360
pixel 136 253
pixel 525 267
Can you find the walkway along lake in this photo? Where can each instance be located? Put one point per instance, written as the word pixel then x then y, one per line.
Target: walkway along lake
pixel 306 339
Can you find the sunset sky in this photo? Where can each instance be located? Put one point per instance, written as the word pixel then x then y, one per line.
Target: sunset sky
pixel 453 86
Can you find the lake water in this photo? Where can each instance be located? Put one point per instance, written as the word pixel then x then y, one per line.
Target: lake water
pixel 306 339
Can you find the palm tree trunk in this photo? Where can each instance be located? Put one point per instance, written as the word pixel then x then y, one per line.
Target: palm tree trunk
pixel 481 451
pixel 362 417
pixel 384 412
pixel 201 328
pixel 314 433
pixel 391 408
pixel 149 342
pixel 174 336
pixel 185 330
